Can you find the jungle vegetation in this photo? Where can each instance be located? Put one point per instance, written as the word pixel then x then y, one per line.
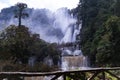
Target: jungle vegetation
pixel 100 33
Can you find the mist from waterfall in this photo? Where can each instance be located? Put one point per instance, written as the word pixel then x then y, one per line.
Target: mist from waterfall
pixel 52 26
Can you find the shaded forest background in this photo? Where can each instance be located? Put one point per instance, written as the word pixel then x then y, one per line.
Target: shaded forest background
pixel 100 33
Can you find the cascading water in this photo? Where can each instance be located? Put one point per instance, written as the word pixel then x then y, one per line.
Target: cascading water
pixel 72 56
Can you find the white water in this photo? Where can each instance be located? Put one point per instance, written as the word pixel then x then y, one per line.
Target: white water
pixel 75 59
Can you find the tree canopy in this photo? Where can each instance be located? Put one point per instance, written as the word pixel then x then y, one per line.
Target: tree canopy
pixel 18 44
pixel 19 12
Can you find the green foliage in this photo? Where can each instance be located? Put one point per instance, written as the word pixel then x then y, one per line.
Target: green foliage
pixel 107 44
pixel 16 40
pixel 18 44
pixel 100 33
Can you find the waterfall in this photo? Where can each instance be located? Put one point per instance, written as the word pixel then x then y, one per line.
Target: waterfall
pixel 72 56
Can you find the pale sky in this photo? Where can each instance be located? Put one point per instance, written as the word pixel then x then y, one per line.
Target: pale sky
pixel 49 4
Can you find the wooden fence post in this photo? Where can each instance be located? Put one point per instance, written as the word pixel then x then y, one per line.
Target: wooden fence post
pixel 64 76
pixel 103 75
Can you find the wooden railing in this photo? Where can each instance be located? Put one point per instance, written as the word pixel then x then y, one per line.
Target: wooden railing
pixel 87 74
